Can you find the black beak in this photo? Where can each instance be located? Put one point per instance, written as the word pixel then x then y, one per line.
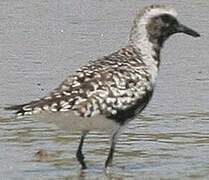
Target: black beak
pixel 184 29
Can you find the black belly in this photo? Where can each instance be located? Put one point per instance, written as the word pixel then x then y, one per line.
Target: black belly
pixel 123 116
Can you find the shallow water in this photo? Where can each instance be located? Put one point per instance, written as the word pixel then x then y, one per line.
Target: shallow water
pixel 41 42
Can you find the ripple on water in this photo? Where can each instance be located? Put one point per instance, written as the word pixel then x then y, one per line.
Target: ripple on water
pixel 163 145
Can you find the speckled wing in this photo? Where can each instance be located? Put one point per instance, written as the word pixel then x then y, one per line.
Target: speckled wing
pixel 109 86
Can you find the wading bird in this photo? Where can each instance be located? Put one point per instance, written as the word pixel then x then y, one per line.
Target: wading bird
pixel 109 92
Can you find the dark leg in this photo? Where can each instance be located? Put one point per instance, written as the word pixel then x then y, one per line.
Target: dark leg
pixel 79 154
pixel 112 148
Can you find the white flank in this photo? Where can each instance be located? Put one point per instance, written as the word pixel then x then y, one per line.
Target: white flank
pixel 71 122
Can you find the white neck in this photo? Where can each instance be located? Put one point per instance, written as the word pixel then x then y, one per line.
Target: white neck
pixel 139 39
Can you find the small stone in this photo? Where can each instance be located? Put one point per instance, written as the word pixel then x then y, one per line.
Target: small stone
pixel 42 155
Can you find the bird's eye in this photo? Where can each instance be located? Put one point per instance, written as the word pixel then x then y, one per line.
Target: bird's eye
pixel 168 20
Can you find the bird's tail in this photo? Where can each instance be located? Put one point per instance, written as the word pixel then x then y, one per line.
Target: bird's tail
pixel 22 109
pixel 15 107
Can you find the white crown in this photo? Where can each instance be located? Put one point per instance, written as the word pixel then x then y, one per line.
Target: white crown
pixel 156 10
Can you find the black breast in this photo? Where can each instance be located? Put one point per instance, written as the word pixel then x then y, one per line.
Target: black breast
pixel 123 116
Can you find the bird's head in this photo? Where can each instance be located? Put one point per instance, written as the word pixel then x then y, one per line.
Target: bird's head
pixel 156 23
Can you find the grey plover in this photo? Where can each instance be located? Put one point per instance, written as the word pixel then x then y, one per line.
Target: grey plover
pixel 109 92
